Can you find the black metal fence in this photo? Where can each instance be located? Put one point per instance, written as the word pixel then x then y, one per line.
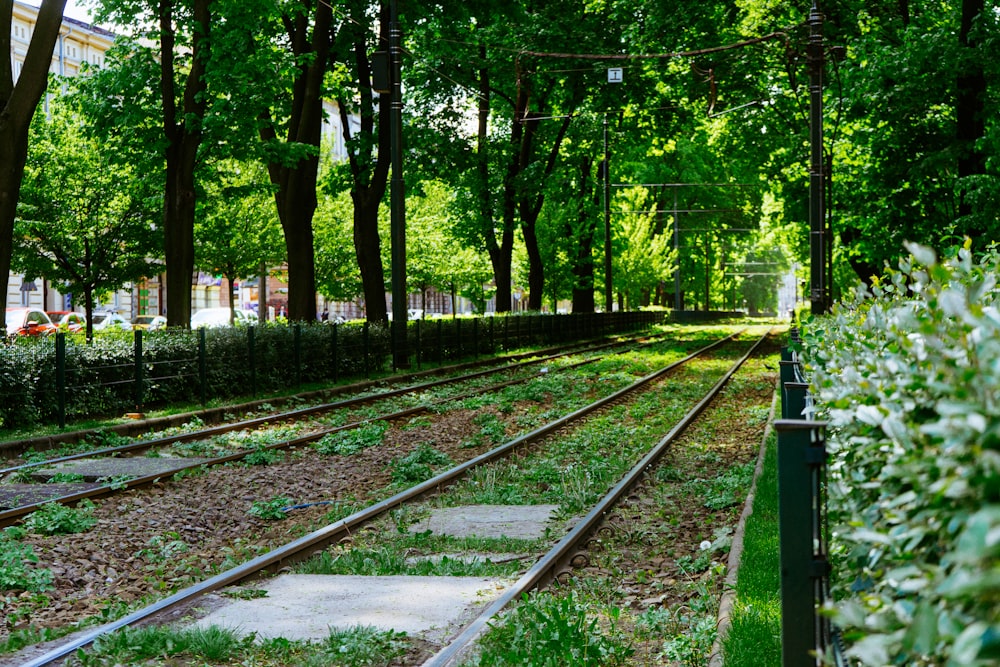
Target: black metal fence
pixel 57 378
pixel 807 636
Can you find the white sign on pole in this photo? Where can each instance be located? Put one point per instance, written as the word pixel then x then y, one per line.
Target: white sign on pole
pixel 614 75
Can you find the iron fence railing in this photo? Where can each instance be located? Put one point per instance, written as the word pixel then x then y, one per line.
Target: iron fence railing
pixel 57 378
pixel 807 636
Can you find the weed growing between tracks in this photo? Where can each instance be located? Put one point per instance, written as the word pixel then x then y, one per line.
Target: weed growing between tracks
pixel 655 570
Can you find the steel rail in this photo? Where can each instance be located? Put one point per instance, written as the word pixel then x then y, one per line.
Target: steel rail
pixel 9 516
pixel 543 570
pixel 303 412
pixel 306 545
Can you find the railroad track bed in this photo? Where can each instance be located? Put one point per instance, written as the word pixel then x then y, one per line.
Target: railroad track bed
pixel 178 532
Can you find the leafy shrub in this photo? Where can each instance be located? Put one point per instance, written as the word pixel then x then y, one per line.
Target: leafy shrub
pixel 906 375
pixel 16 559
pixel 273 509
pixel 418 465
pixel 547 631
pixel 57 519
pixel 352 440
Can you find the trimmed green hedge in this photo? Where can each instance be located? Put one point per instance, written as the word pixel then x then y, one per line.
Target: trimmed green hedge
pixel 908 375
pixel 100 378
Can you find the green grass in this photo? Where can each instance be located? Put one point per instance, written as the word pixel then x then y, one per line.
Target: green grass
pixel 358 645
pixel 754 638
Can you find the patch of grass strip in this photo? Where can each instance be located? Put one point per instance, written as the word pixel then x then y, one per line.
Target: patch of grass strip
pixel 754 637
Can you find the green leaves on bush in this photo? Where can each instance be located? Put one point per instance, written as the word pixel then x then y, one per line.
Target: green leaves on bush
pixel 273 509
pixel 352 441
pixel 16 560
pixel 418 465
pixel 907 375
pixel 56 519
pixel 547 631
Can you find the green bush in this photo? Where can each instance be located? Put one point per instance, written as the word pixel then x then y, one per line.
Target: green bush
pixel 907 375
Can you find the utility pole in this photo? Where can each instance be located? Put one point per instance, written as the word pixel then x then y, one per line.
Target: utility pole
pixel 818 289
pixel 608 301
pixel 397 194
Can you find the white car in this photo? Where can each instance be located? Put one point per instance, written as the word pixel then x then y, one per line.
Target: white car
pixel 219 317
pixel 111 321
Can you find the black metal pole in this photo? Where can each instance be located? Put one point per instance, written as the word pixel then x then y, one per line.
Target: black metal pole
pixel 397 194
pixel 608 302
pixel 819 290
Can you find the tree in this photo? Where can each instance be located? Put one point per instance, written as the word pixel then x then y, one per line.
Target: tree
pixel 179 34
pixel 236 226
pixel 643 255
pixel 87 219
pixel 17 106
pixel 291 130
pixel 337 274
pixel 436 258
pixel 368 143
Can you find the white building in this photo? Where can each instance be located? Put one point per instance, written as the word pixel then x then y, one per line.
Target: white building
pixel 78 43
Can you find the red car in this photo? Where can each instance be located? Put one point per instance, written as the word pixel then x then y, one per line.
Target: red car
pixel 28 322
pixel 68 320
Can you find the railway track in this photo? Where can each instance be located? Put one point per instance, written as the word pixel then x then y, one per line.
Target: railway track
pixel 282 419
pixel 543 571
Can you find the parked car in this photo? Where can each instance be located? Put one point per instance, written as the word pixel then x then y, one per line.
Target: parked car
pixel 110 322
pixel 68 320
pixel 149 322
pixel 28 322
pixel 219 317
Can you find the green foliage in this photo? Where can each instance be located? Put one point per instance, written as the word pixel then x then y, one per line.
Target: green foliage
pixel 263 456
pixel 353 440
pixel 418 465
pixel 273 509
pixel 16 560
pixel 163 548
pixel 549 631
pixel 364 645
pixel 906 374
pixel 727 489
pixel 65 478
pixel 57 519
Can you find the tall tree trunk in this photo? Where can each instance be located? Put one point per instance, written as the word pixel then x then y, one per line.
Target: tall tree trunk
pixel 369 174
pixel 296 194
pixel 970 112
pixel 368 248
pixel 183 134
pixel 16 112
pixel 531 206
pixel 501 251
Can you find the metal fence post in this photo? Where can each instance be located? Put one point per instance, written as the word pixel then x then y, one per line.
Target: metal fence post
pixel 793 400
pixel 61 377
pixel 203 366
pixel 297 352
pixel 801 456
pixel 440 341
pixel 366 341
pixel 137 358
pixel 419 348
pixel 252 359
pixel 336 353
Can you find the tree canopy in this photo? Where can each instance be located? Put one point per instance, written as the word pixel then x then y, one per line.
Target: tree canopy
pixel 512 116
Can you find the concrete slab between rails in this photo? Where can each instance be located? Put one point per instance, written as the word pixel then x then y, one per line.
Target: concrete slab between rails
pixel 138 466
pixel 307 606
pixel 527 522
pixel 18 495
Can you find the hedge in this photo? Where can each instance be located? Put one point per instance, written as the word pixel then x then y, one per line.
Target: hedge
pixel 907 373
